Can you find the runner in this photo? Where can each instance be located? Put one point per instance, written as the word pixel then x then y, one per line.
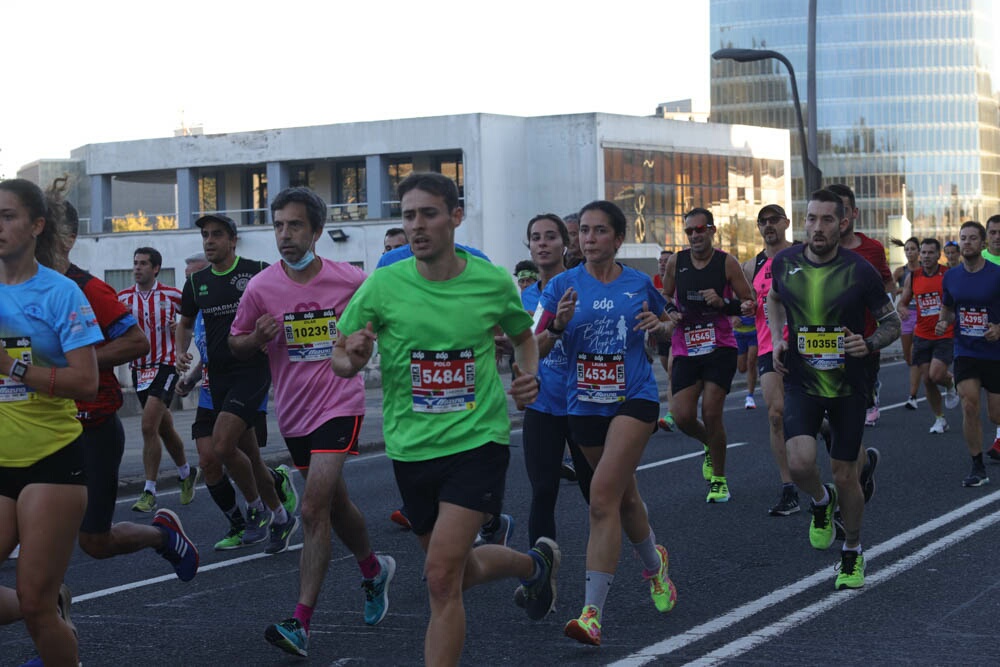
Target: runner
pixel 773 226
pixel 991 253
pixel 154 305
pixel 932 354
pixel 972 298
pixel 394 238
pixel 745 331
pixel 446 427
pixel 666 422
pixel 601 311
pixel 319 414
pixel 704 349
pixel 902 273
pixel 822 292
pixel 237 386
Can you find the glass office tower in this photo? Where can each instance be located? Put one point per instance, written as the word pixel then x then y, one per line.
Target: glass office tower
pixel 904 101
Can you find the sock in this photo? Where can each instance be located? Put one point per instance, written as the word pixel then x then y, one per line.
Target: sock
pixel 256 505
pixel 826 498
pixel 536 572
pixel 646 550
pixel 856 549
pixel 598 585
pixel 280 515
pixel 491 526
pixel 370 567
pixel 304 615
pixel 150 486
pixel 183 471
pixel 225 497
pixel 978 460
pixel 277 485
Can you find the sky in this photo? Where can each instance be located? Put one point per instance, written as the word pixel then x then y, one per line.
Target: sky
pixel 77 73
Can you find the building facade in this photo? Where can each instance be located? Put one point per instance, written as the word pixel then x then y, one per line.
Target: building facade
pixel 904 98
pixel 508 169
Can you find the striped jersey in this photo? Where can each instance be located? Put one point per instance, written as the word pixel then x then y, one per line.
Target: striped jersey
pixel 156 312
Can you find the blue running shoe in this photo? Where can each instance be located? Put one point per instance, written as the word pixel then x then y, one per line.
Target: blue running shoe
pixel 377 591
pixel 501 535
pixel 178 549
pixel 281 533
pixel 257 524
pixel 289 636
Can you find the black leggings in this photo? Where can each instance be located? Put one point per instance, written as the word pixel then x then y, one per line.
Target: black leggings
pixel 545 436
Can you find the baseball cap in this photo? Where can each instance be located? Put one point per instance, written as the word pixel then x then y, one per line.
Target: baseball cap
pixel 216 217
pixel 773 209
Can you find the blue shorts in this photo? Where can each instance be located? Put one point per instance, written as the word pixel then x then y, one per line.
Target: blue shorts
pixel 745 340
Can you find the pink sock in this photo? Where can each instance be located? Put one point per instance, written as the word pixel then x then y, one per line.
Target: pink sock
pixel 304 614
pixel 370 566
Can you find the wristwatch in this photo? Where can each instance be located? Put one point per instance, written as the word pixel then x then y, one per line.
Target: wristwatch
pixel 17 370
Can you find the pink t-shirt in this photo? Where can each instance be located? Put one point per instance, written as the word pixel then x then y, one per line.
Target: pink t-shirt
pixel 307 394
pixel 761 287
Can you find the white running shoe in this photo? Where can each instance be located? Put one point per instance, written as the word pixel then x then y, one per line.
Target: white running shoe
pixel 951 397
pixel 940 425
pixel 750 404
pixel 911 403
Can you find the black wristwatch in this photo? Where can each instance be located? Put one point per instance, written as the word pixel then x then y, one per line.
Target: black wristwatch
pixel 17 370
pixel 552 329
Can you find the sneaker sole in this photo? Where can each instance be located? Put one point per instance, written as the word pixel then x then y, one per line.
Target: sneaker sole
pixel 285 539
pixel 230 547
pixel 774 512
pixel 841 586
pixel 574 630
pixel 982 482
pixel 174 522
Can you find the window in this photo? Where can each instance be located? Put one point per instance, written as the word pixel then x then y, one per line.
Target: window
pixel 451 166
pixel 351 192
pixel 399 169
pixel 209 190
pixel 254 196
pixel 302 176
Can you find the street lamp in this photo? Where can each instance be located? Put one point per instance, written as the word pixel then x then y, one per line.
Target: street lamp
pixel 811 172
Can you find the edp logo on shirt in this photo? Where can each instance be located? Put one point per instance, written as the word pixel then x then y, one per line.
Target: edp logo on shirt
pixel 604 304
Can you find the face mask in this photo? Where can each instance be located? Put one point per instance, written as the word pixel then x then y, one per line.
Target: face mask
pixel 302 263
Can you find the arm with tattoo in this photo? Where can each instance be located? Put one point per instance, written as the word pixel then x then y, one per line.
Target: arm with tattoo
pixel 889 327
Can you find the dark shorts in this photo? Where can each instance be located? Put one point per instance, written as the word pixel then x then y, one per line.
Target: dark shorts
pixel 987 371
pixel 337 436
pixel 240 391
pixel 592 430
pixel 765 364
pixel 204 424
pixel 63 467
pixel 161 387
pixel 804 413
pixel 717 367
pixel 473 479
pixel 103 447
pixel 663 348
pixel 745 340
pixel 925 350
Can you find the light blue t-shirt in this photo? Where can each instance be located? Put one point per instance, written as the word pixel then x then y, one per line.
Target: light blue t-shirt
pixel 552 368
pixel 403 252
pixel 975 298
pixel 601 345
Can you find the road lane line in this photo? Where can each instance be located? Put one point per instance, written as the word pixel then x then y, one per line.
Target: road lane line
pixel 684 457
pixel 741 613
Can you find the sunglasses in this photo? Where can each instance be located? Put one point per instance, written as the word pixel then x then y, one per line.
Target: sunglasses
pixel 770 220
pixel 700 229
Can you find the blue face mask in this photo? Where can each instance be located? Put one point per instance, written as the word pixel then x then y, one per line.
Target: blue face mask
pixel 302 263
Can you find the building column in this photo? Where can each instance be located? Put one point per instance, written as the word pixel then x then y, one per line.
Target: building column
pixel 377 186
pixel 277 180
pixel 187 198
pixel 100 203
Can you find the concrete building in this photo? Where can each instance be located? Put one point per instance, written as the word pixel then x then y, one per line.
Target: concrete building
pixel 508 169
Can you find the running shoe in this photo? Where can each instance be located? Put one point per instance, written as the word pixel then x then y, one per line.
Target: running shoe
pixel 587 628
pixel 146 502
pixel 994 451
pixel 977 477
pixel 188 485
pixel 940 425
pixel 867 476
pixel 667 423
pixel 661 589
pixel 839 534
pixel 706 465
pixel 787 504
pixel 500 536
pixel 718 490
pixel 951 397
pixel 178 549
pixel 520 598
pixel 289 636
pixel 232 540
pixel 750 404
pixel 257 524
pixel 872 416
pixel 540 594
pixel 291 497
pixel 852 570
pixel 911 403
pixel 568 470
pixel 281 533
pixel 398 518
pixel 377 591
pixel 821 531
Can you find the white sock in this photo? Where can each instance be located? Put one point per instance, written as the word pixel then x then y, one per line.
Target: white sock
pixel 280 515
pixel 256 505
pixel 183 471
pixel 826 498
pixel 646 550
pixel 150 486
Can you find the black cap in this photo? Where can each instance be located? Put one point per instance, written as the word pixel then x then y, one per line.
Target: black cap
pixel 217 217
pixel 772 208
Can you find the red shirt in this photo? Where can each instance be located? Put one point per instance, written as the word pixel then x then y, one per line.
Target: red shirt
pixel 156 313
pixel 874 252
pixel 927 293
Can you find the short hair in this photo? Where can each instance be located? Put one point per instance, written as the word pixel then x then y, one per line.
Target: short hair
pixel 155 258
pixel 196 258
pixel 611 210
pixel 975 225
pixel 432 183
pixel 560 225
pixel 992 219
pixel 830 196
pixel 525 265
pixel 931 241
pixel 842 190
pixel 666 252
pixel 572 218
pixel 701 211
pixel 395 231
pixel 315 206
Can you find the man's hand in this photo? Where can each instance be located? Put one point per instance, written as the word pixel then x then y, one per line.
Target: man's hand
pixel 854 344
pixel 778 356
pixel 183 363
pixel 265 329
pixel 360 345
pixel 523 388
pixel 712 298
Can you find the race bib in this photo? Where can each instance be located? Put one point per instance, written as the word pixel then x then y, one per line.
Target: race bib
pixel 699 339
pixel 929 304
pixel 972 322
pixel 11 390
pixel 144 378
pixel 443 381
pixel 821 347
pixel 310 335
pixel 600 378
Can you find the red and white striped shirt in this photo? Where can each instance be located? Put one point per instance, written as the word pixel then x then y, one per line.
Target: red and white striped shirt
pixel 156 312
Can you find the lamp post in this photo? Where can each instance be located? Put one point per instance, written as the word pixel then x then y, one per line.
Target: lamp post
pixel 810 171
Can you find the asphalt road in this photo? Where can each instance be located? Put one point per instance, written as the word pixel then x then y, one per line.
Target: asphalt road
pixel 751 589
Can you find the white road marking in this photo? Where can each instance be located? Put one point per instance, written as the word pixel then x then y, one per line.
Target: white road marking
pixel 684 457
